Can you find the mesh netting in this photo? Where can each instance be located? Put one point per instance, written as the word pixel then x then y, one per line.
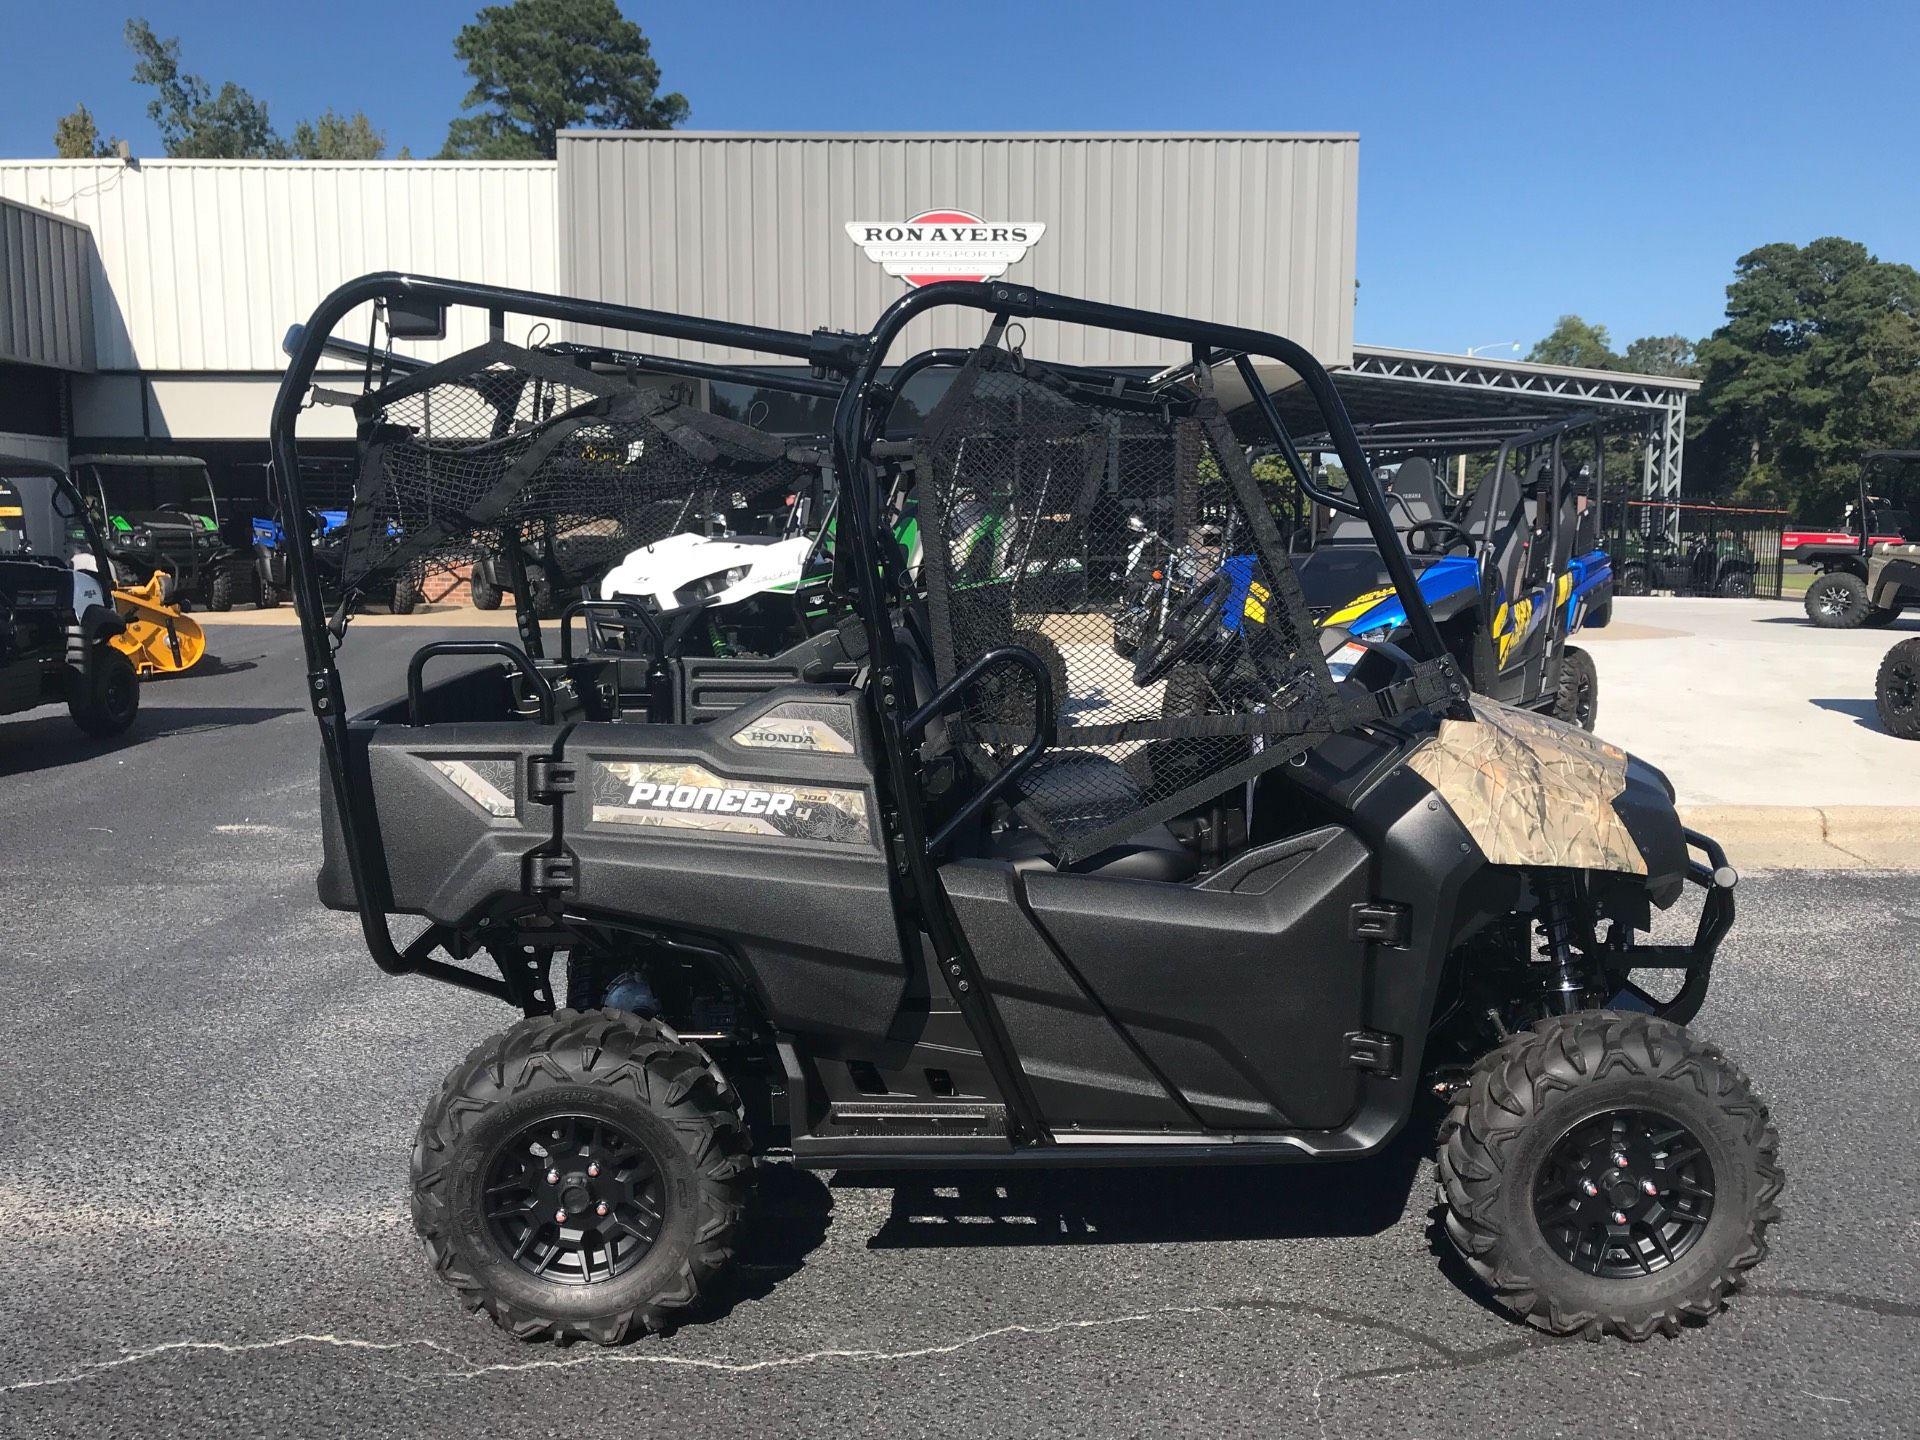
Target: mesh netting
pixel 1131 549
pixel 507 448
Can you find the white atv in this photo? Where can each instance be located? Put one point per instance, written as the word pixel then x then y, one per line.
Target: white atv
pixel 716 570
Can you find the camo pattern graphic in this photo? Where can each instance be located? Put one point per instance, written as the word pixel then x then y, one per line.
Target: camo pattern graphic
pixel 682 795
pixel 805 726
pixel 488 783
pixel 1530 790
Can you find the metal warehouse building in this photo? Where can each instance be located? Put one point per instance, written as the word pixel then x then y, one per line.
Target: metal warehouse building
pixel 144 301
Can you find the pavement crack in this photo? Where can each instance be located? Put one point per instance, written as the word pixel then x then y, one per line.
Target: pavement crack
pixel 94 1368
pixel 1870 1304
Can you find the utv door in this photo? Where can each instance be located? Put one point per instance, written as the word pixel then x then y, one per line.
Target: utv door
pixel 1238 992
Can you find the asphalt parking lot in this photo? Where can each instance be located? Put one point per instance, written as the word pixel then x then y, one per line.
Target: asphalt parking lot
pixel 208 1095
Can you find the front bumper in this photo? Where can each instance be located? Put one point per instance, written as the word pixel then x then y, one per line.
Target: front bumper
pixel 1695 960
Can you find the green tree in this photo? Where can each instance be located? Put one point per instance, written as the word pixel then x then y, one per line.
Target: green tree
pixel 540 66
pixel 195 121
pixel 1818 360
pixel 337 137
pixel 77 137
pixel 1671 355
pixel 1572 341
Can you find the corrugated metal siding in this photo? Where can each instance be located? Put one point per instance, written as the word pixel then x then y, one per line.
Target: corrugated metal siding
pixel 203 264
pixel 46 289
pixel 1252 230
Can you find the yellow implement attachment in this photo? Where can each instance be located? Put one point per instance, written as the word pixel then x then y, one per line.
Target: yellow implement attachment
pixel 158 638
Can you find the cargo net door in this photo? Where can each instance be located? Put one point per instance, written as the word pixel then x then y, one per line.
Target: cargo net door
pixel 540 461
pixel 1129 546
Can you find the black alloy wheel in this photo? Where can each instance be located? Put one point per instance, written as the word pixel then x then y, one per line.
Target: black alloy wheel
pixel 574 1200
pixel 1624 1193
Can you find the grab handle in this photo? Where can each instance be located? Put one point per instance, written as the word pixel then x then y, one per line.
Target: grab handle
pixel 517 657
pixel 1043 728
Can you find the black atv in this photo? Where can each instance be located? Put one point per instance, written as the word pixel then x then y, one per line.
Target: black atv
pixel 57 620
pixel 872 917
pixel 159 513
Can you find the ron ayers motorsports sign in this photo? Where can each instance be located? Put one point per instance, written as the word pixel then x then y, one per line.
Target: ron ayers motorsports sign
pixel 945 245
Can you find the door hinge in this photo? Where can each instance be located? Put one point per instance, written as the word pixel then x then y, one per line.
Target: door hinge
pixel 550 874
pixel 1378 922
pixel 548 779
pixel 1374 1052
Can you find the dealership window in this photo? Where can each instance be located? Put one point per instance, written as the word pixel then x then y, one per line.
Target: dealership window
pixel 30 400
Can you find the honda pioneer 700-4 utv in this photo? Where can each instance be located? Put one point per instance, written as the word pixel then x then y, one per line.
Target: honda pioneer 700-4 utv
pixel 914 909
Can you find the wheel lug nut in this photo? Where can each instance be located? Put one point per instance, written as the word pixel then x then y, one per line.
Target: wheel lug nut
pixel 1649 1187
pixel 1619 1161
pixel 560 1216
pixel 553 1177
pixel 1589 1187
pixel 601 1208
pixel 1619 1217
pixel 593 1168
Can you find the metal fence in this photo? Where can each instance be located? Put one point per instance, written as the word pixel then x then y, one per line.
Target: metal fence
pixel 1686 549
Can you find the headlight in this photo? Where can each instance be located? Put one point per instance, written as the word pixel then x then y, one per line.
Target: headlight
pixel 141 540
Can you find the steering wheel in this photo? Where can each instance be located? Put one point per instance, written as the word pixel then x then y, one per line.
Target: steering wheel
pixel 1443 528
pixel 1193 616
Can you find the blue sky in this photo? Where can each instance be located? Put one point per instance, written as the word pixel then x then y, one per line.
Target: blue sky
pixel 1516 161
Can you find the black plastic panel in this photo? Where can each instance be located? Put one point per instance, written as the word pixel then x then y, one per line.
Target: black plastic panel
pixel 1083 1071
pixel 1240 999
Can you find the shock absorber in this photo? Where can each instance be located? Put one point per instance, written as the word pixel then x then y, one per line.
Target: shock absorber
pixel 1564 993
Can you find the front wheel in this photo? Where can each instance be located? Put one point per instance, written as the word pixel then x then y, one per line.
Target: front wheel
pixel 581 1176
pixel 220 592
pixel 1577 700
pixel 1632 579
pixel 485 594
pixel 1608 1174
pixel 1735 584
pixel 1838 601
pixel 1896 690
pixel 110 697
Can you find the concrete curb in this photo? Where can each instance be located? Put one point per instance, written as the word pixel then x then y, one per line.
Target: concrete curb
pixel 1805 837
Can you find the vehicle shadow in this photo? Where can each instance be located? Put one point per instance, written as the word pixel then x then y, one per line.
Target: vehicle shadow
pixel 209 666
pixel 1892 627
pixel 787 1215
pixel 1156 1204
pixel 51 740
pixel 1863 711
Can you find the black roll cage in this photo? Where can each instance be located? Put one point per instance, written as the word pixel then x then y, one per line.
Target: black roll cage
pixel 863 404
pixel 1874 462
pixel 20 467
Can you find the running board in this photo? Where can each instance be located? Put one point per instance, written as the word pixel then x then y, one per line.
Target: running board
pixel 879 1128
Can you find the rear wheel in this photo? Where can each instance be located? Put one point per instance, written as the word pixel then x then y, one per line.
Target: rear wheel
pixel 110 697
pixel 1838 601
pixel 1896 690
pixel 220 591
pixel 486 594
pixel 1609 1174
pixel 1632 579
pixel 268 595
pixel 1737 584
pixel 1577 701
pixel 581 1176
pixel 406 594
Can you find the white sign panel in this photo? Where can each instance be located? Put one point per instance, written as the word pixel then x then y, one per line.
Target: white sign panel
pixel 945 245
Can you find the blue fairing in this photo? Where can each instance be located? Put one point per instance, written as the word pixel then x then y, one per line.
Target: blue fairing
pixel 1590 572
pixel 1440 581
